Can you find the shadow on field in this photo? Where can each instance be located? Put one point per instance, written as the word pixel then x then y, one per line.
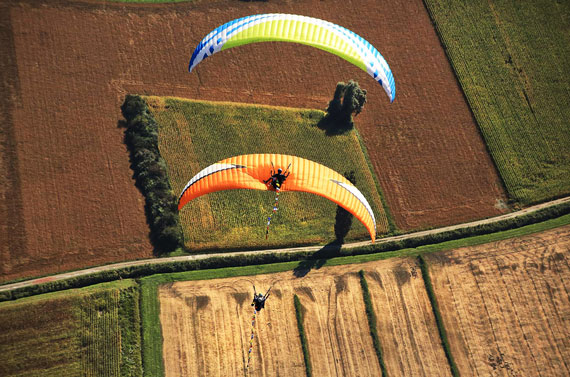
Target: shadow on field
pixel 335 126
pixel 343 221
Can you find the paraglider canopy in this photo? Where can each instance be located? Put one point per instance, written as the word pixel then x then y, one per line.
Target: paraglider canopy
pixel 251 172
pixel 298 29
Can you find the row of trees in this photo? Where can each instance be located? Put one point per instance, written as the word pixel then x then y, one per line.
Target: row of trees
pixel 141 138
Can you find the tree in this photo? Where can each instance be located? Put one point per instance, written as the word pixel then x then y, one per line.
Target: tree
pixel 348 99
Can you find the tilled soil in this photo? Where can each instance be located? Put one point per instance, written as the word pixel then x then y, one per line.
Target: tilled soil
pixel 67 190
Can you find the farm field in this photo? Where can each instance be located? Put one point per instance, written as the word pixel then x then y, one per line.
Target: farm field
pixel 66 179
pixel 87 332
pixel 512 61
pixel 505 305
pixel 194 135
pixel 205 324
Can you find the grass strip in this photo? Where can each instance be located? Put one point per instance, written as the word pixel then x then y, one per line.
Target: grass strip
pixel 153 364
pixel 372 322
pixel 437 314
pixel 304 343
pixel 130 327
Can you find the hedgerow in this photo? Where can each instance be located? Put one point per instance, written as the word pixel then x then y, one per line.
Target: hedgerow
pixel 326 252
pixel 371 315
pixel 304 342
pixel 437 315
pixel 141 138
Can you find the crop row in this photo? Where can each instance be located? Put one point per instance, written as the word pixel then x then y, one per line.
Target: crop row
pixel 39 334
pixel 76 332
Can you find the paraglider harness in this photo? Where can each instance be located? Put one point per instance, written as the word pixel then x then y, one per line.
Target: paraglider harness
pixel 277 178
pixel 258 304
pixel 259 299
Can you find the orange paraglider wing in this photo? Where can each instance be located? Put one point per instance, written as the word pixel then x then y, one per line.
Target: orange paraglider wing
pixel 250 171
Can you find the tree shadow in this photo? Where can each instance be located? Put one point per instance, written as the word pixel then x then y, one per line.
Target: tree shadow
pixel 335 125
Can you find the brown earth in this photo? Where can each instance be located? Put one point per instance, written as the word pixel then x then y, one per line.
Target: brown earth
pixel 68 199
pixel 205 324
pixel 506 305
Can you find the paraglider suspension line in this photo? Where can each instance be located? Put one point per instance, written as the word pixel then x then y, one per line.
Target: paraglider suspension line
pixel 275 207
pixel 251 339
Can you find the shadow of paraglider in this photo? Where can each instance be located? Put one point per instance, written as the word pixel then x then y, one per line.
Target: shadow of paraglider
pixel 343 222
pixel 317 259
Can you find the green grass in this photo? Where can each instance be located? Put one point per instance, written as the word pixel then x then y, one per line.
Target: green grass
pixel 194 135
pixel 371 315
pixel 437 315
pixel 304 343
pixel 511 58
pixel 72 333
pixel 153 365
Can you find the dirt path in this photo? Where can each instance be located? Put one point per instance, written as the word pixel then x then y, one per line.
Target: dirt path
pixel 7 287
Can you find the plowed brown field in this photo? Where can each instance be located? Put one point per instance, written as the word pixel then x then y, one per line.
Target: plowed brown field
pixel 506 305
pixel 68 200
pixel 205 324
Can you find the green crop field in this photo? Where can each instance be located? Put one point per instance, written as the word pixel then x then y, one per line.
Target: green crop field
pixel 194 135
pixel 84 332
pixel 511 58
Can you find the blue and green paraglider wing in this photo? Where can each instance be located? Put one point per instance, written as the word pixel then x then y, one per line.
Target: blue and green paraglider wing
pixel 298 29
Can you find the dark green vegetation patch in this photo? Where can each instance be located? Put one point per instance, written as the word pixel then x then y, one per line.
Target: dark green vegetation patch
pixel 141 137
pixel 371 315
pixel 438 319
pixel 304 343
pixel 93 331
pixel 511 58
pixel 195 134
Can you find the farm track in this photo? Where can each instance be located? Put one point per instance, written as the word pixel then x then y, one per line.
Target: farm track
pixel 115 266
pixel 67 185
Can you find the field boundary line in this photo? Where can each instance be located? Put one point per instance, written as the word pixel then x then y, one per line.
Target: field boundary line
pixel 167 260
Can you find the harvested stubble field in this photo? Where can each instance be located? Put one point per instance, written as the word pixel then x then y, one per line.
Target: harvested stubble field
pixel 67 65
pixel 196 134
pixel 505 305
pixel 206 324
